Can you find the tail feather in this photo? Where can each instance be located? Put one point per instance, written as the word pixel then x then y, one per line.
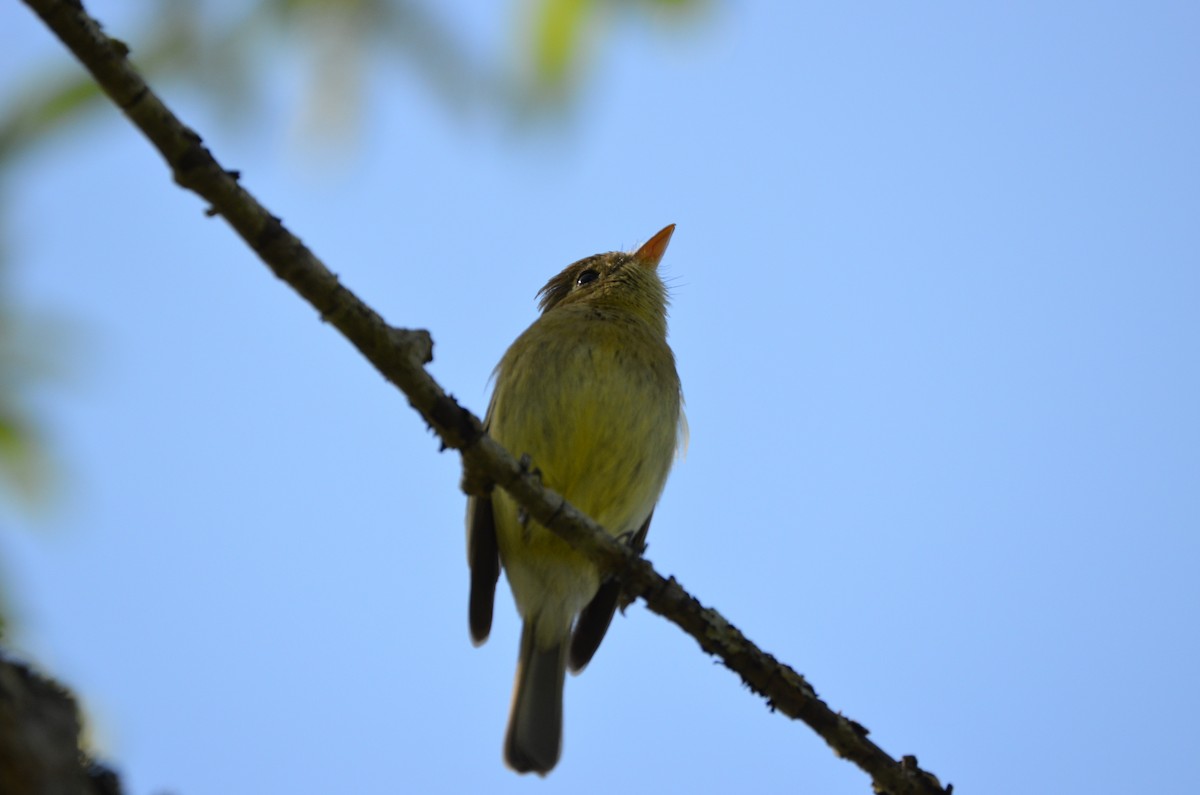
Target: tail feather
pixel 593 624
pixel 534 738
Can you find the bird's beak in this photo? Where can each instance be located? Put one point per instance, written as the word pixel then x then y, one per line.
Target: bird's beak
pixel 651 252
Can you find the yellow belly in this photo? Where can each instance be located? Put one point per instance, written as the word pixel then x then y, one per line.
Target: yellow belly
pixel 601 428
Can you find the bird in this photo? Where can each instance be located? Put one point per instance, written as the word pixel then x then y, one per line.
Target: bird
pixel 589 397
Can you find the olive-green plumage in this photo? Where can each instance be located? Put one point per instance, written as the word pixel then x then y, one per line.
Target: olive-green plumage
pixel 590 393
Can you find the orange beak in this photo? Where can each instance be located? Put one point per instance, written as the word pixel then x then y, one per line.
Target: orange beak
pixel 651 252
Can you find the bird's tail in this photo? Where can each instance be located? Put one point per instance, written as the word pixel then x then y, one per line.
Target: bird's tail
pixel 534 738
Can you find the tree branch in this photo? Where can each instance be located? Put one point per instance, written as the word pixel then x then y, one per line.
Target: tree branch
pixel 40 750
pixel 400 355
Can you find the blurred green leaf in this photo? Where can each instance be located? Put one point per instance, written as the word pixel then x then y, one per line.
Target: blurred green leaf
pixel 556 41
pixel 26 354
pixel 22 462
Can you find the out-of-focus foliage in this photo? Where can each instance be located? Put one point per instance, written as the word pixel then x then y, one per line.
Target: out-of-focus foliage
pixel 27 347
pixel 22 458
pixel 563 32
pixel 533 68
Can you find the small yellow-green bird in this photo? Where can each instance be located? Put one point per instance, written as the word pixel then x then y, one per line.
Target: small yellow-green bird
pixel 590 394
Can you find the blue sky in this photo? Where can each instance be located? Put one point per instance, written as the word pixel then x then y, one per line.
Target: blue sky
pixel 936 285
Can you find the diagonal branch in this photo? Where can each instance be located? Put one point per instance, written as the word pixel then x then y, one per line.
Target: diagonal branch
pixel 400 355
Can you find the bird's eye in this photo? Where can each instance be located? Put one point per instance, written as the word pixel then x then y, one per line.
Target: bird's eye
pixel 587 277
